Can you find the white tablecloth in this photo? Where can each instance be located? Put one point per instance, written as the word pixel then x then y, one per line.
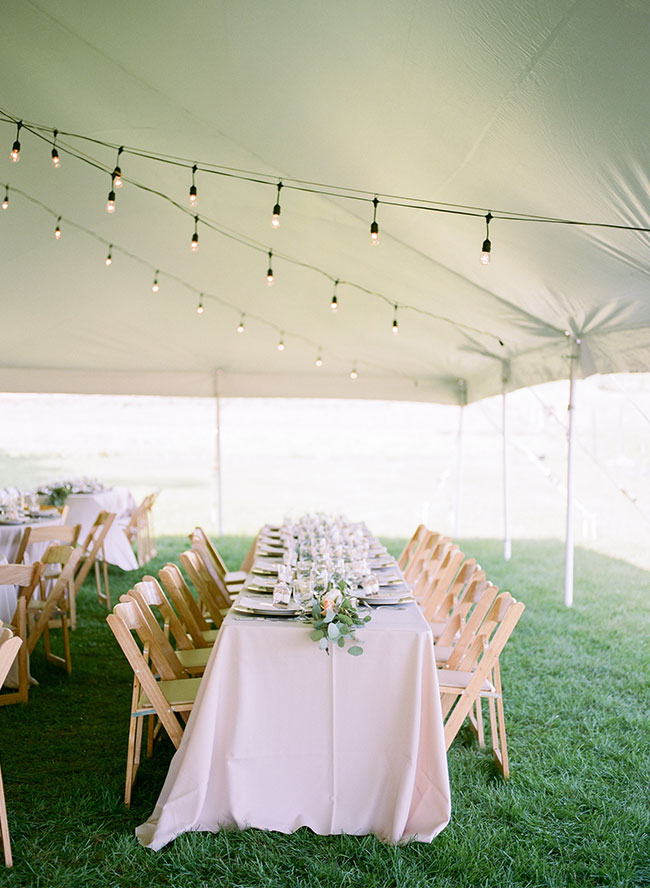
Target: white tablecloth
pixel 84 509
pixel 11 535
pixel 283 736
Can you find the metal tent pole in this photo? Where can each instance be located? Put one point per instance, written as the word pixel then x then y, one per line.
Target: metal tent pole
pixel 568 556
pixel 459 457
pixel 217 457
pixel 507 542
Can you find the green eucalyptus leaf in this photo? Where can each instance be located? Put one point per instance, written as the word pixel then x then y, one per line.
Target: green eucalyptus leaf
pixel 355 650
pixel 316 634
pixel 341 642
pixel 322 644
pixel 333 631
pixel 367 619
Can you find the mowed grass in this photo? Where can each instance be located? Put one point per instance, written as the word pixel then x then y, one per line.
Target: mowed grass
pixel 576 810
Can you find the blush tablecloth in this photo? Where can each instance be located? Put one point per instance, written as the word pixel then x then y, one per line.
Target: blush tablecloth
pixel 283 735
pixel 84 509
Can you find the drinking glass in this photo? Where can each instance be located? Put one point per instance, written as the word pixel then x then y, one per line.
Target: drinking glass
pixel 318 580
pixel 302 594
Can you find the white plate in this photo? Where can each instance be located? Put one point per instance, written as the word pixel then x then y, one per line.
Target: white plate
pixel 13 521
pixel 380 600
pixel 265 571
pixel 266 610
pixel 259 588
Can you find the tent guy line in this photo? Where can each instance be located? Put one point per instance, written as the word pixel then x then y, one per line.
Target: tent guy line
pixel 303 185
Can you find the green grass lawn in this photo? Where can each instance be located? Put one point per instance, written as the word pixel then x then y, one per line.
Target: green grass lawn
pixel 576 810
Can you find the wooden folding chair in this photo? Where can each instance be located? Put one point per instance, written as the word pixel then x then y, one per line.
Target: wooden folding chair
pixel 9 646
pixel 432 546
pixel 185 662
pixel 139 530
pixel 465 620
pixel 446 590
pixel 188 611
pixel 447 569
pixel 149 697
pixel 93 553
pixel 477 676
pixel 52 613
pixel 249 558
pixel 213 595
pixel 210 554
pixel 26 577
pixel 63 535
pixel 411 546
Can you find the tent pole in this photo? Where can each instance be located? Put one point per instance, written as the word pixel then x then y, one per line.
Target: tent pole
pixel 459 458
pixel 217 458
pixel 507 542
pixel 568 556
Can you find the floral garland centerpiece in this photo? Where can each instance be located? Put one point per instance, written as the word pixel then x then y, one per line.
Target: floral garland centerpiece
pixel 335 618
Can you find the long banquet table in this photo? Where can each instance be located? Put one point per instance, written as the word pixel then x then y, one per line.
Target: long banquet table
pixel 83 508
pixel 283 735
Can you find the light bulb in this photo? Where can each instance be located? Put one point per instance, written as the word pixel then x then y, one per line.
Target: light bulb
pixel 269 273
pixel 319 361
pixel 15 150
pixel 57 230
pixel 486 249
pixel 334 304
pixel 199 307
pixel 240 326
pixel 395 328
pixel 193 192
pixel 109 258
pixel 56 160
pixel 275 218
pixel 195 242
pixel 5 202
pixel 281 345
pixel 117 178
pixel 374 225
pixel 110 203
pixel 353 374
pixel 155 287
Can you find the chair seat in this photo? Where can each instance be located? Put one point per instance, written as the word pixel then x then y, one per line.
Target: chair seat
pixel 180 693
pixel 193 658
pixel 52 572
pixel 442 653
pixel 210 634
pixel 452 681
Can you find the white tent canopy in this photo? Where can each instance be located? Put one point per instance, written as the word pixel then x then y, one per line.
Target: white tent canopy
pixel 523 107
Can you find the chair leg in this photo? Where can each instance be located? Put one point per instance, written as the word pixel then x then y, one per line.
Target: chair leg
pixel 72 606
pixel 23 658
pixel 66 643
pixel 107 591
pixel 4 826
pixel 132 756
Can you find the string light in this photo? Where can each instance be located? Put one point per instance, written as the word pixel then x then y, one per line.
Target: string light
pixel 240 325
pixel 117 172
pixel 155 287
pixel 195 237
pixel 193 193
pixel 5 202
pixel 395 324
pixel 56 160
pixel 57 230
pixel 486 249
pixel 334 304
pixel 374 225
pixel 275 218
pixel 110 203
pixel 319 360
pixel 281 342
pixel 353 373
pixel 15 150
pixel 269 273
pixel 199 307
pixel 109 258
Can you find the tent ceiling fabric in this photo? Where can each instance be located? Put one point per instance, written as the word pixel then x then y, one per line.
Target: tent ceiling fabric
pixel 526 106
